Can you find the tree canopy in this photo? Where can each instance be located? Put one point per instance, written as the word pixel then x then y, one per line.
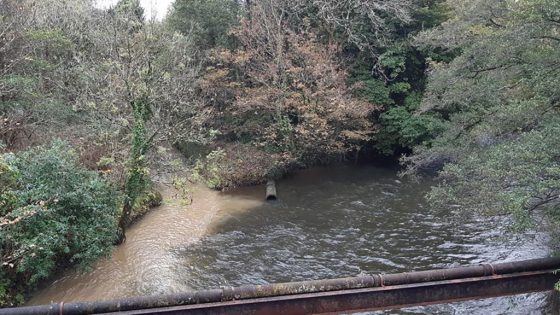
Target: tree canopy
pixel 501 102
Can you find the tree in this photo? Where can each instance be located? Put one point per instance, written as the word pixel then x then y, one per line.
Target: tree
pixel 370 39
pixel 150 89
pixel 390 71
pixel 53 213
pixel 282 93
pixel 23 60
pixel 364 24
pixel 131 9
pixel 108 81
pixel 499 101
pixel 209 21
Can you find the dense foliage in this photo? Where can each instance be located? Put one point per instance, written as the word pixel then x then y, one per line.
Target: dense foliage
pixel 501 101
pixel 300 83
pixel 292 104
pixel 110 82
pixel 53 213
pixel 253 89
pixel 390 71
pixel 209 21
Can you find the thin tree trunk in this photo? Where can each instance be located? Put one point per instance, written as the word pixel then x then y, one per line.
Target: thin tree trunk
pixel 123 222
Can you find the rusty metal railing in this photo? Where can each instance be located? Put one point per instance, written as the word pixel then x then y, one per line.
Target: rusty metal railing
pixel 371 292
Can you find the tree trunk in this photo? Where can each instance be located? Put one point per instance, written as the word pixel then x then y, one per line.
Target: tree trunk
pixel 123 222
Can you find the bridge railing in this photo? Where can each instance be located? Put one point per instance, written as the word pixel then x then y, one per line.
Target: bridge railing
pixel 368 292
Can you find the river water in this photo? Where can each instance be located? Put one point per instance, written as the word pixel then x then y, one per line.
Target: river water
pixel 328 223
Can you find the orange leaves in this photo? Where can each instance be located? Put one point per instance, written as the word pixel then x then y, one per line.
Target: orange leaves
pixel 284 94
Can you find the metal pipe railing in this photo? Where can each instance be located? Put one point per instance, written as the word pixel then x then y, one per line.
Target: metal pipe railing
pixel 225 294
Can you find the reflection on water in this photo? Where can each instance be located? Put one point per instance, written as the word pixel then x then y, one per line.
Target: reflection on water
pixel 327 223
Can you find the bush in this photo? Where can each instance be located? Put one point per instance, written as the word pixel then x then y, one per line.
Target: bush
pixel 54 213
pixel 211 170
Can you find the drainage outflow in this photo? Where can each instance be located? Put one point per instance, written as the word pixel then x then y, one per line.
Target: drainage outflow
pixel 271 190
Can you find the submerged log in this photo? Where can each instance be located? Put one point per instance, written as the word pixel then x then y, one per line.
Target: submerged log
pixel 271 190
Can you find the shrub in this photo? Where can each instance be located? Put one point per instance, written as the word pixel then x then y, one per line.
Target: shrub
pixel 211 169
pixel 55 213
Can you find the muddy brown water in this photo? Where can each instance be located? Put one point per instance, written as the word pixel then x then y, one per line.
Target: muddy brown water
pixel 328 223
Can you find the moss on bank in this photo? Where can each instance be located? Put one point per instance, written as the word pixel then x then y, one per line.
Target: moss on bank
pixel 149 199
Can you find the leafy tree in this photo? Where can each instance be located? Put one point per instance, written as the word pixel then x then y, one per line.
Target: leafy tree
pixel 283 94
pixel 364 25
pixel 103 77
pixel 401 127
pixel 391 72
pixel 54 214
pixel 131 9
pixel 28 54
pixel 373 36
pixel 150 89
pixel 499 103
pixel 209 21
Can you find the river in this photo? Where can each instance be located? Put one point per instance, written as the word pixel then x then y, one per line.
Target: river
pixel 328 223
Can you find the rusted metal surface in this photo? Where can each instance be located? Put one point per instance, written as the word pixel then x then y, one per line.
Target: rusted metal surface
pixel 336 295
pixel 380 298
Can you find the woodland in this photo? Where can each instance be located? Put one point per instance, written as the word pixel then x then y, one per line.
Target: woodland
pixel 91 99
